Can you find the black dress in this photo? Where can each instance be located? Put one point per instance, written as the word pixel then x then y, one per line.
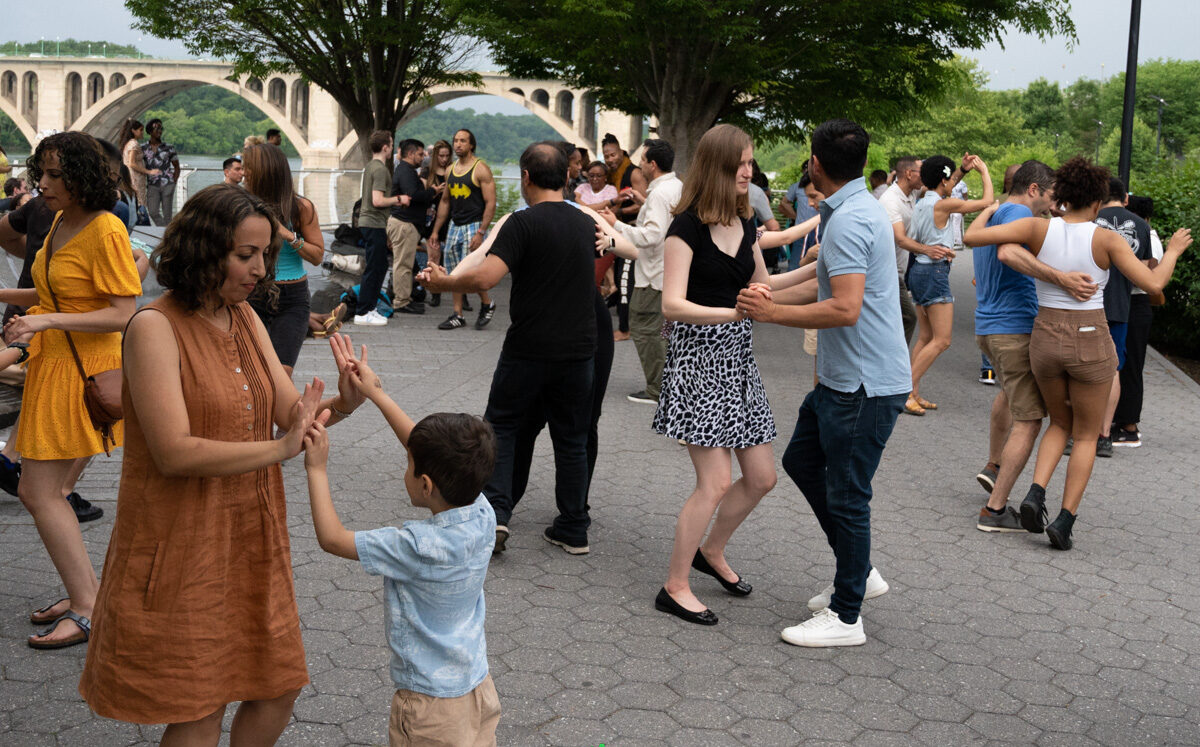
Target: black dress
pixel 712 394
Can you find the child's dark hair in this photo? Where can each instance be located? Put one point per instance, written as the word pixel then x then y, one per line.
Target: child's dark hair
pixel 1079 183
pixel 457 451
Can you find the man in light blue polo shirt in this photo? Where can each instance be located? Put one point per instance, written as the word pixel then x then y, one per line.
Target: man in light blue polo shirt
pixel 863 374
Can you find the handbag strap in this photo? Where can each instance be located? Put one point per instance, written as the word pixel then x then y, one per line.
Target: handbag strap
pixel 48 249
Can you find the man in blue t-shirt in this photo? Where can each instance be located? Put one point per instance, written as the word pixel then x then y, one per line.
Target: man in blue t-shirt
pixel 863 378
pixel 1006 305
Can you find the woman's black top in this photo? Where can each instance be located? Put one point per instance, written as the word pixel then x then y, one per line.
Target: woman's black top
pixel 715 278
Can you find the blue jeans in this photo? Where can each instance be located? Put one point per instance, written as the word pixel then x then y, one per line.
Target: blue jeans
pixel 832 458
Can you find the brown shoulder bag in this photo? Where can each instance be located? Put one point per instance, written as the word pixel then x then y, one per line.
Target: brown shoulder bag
pixel 101 391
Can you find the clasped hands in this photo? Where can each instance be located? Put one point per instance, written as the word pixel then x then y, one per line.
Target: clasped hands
pixel 755 301
pixel 356 381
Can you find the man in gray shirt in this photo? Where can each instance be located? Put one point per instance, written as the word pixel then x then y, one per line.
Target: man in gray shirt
pixel 863 378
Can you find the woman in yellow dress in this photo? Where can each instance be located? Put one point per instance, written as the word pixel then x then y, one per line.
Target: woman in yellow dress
pixel 87 261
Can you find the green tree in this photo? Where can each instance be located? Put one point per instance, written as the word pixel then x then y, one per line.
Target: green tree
pixel 764 65
pixel 1177 82
pixel 375 58
pixel 1143 159
pixel 70 48
pixel 1044 107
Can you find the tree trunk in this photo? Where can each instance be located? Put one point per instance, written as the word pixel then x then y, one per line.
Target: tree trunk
pixel 683 133
pixel 683 118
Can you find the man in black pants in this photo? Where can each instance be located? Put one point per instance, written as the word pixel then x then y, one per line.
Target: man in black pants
pixel 547 358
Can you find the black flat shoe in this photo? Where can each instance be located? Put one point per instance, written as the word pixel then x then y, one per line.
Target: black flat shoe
pixel 739 588
pixel 664 603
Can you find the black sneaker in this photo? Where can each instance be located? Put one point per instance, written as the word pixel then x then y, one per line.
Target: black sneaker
pixel 1005 521
pixel 467 304
pixel 642 398
pixel 987 376
pixel 485 315
pixel 987 476
pixel 1104 447
pixel 570 547
pixel 435 300
pixel 1059 531
pixel 1122 437
pixel 10 475
pixel 1033 509
pixel 501 539
pixel 413 307
pixel 84 510
pixel 454 321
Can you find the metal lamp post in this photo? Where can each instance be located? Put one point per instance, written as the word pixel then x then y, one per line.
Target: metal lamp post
pixel 1099 135
pixel 1131 60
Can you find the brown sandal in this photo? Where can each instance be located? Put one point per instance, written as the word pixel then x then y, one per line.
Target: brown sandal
pixel 40 616
pixel 85 632
pixel 926 403
pixel 912 408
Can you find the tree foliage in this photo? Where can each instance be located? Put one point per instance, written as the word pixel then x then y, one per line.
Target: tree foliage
pixel 376 58
pixel 70 48
pixel 501 137
pixel 765 65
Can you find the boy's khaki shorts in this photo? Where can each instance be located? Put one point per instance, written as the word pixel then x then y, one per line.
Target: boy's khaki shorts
pixel 466 721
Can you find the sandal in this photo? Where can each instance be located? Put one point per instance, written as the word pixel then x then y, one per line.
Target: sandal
pixel 39 616
pixel 85 632
pixel 334 322
pixel 912 408
pixel 926 403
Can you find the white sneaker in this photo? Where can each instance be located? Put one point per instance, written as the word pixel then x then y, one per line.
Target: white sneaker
pixel 825 629
pixel 876 587
pixel 370 319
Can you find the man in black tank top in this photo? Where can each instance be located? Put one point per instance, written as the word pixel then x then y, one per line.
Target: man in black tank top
pixel 469 203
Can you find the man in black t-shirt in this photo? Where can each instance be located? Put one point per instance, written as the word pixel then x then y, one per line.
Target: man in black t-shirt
pixel 1116 217
pixel 546 361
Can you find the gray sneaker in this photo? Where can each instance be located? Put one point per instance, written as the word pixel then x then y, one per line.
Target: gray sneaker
pixel 1008 521
pixel 1104 447
pixel 987 477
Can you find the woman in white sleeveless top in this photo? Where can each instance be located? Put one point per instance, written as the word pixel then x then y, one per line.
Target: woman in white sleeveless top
pixel 1070 350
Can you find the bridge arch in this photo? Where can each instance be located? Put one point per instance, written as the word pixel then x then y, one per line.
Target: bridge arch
pixel 349 144
pixel 11 110
pixel 104 118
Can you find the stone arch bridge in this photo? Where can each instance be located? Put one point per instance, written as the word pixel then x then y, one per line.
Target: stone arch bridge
pixel 95 95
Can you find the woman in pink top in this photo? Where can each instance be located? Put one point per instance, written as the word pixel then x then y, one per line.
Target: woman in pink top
pixel 1070 351
pixel 596 193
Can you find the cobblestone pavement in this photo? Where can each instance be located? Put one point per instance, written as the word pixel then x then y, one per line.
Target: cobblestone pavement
pixel 982 637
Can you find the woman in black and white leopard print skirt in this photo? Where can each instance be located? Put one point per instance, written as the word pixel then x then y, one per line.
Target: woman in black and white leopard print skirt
pixel 712 395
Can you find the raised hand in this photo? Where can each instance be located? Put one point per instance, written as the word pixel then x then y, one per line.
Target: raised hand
pixel 316 446
pixel 304 414
pixel 343 356
pixel 1180 241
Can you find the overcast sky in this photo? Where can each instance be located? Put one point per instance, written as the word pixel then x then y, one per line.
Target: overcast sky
pixel 1169 29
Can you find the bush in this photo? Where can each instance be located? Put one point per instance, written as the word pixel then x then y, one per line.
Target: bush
pixel 1175 189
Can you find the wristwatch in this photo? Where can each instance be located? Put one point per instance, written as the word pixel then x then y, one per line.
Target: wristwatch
pixel 24 348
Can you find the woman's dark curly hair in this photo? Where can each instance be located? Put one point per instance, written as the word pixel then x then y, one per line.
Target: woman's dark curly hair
pixel 85 170
pixel 1079 183
pixel 190 260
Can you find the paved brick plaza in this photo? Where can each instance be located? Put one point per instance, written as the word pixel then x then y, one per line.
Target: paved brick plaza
pixel 982 637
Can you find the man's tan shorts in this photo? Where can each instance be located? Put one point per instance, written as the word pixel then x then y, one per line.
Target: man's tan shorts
pixel 466 721
pixel 1009 355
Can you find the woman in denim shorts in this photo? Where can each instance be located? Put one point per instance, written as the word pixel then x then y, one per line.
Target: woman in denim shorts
pixel 929 278
pixel 1070 350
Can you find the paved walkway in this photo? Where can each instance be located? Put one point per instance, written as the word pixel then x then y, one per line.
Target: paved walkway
pixel 982 637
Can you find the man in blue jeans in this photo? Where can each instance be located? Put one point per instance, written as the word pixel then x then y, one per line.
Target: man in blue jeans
pixel 863 378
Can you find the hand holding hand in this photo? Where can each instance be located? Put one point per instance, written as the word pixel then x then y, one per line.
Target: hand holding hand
pixel 433 278
pixel 761 288
pixel 316 446
pixel 343 356
pixel 966 164
pixel 25 326
pixel 608 216
pixel 755 305
pixel 304 414
pixel 1079 285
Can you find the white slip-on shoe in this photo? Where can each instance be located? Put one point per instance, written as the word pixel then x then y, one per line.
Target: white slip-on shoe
pixel 876 586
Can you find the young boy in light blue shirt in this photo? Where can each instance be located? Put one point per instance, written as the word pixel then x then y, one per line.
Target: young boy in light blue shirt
pixel 433 571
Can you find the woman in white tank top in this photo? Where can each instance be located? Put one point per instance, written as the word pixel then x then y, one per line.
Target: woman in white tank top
pixel 1070 350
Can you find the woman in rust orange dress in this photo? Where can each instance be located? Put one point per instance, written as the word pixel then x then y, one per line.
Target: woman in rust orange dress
pixel 197 609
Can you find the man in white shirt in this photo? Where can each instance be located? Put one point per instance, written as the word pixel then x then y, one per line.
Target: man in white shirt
pixel 648 234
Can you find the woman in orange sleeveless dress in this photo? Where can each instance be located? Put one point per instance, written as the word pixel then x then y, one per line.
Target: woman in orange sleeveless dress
pixel 197 608
pixel 87 262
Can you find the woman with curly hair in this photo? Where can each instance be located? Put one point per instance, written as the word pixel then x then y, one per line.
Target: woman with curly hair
pixel 133 158
pixel 85 283
pixel 1070 350
pixel 283 305
pixel 197 608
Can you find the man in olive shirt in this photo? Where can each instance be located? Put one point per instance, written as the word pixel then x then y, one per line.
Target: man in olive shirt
pixel 377 200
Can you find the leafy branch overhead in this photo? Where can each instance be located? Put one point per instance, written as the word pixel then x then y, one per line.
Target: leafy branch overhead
pixel 766 65
pixel 375 57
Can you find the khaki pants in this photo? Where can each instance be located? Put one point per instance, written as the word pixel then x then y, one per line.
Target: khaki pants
pixel 466 721
pixel 404 239
pixel 645 327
